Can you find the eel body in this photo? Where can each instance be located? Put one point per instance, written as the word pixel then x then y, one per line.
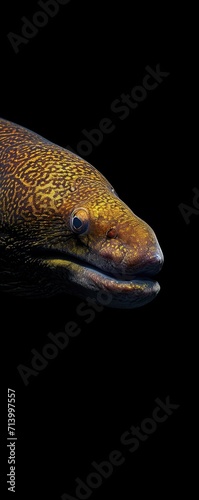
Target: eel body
pixel 63 228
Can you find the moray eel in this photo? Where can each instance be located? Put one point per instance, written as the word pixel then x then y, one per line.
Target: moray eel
pixel 63 228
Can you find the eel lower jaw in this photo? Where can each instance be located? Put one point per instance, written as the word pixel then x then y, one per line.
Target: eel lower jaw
pixel 89 281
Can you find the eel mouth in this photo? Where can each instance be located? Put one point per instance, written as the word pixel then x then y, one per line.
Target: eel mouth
pixel 115 289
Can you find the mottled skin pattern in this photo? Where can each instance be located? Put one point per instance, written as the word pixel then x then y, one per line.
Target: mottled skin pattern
pixel 64 229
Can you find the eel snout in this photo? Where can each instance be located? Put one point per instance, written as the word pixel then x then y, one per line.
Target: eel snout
pixel 132 249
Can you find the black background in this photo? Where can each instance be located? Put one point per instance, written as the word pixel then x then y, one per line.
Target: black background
pixel 75 411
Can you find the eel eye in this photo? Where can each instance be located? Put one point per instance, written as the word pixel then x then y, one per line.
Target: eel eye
pixel 79 221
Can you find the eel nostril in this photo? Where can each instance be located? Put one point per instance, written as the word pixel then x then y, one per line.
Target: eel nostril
pixel 156 262
pixel 111 233
pixel 159 258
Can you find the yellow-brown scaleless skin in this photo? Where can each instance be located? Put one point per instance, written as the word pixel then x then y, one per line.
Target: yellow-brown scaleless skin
pixel 64 229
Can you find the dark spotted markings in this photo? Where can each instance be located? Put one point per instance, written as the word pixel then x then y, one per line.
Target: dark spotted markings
pixel 64 229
